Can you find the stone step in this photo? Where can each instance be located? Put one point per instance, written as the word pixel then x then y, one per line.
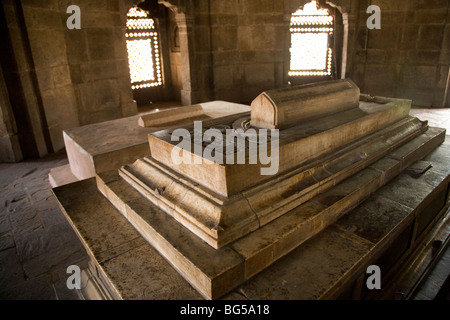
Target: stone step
pixel 219 220
pixel 214 273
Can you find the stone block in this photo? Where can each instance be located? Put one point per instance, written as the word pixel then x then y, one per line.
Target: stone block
pixel 376 56
pixel 158 118
pixel 203 39
pixel 223 77
pixel 428 4
pixel 418 77
pixel 251 7
pixel 223 7
pixel 48 47
pixel 99 95
pixel 224 19
pixel 376 74
pixel 100 43
pixel 410 34
pixel 50 4
pixel 419 97
pixel 54 77
pixel 40 18
pixel 202 19
pixel 120 46
pixel 430 37
pixel 385 38
pixel 225 57
pixel 446 39
pixel 224 38
pixel 391 17
pixel 60 107
pixel 386 5
pixel 256 37
pixel 430 16
pixel 258 74
pixel 99 70
pixel 426 57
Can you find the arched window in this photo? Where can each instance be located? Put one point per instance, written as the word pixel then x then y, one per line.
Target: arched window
pixel 143 47
pixel 311 52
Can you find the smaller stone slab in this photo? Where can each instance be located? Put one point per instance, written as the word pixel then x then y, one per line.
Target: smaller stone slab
pixel 158 118
pixel 60 176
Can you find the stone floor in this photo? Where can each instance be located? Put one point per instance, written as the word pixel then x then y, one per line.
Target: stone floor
pixel 37 244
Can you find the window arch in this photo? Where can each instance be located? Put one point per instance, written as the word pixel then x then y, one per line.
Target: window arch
pixel 312 36
pixel 143 48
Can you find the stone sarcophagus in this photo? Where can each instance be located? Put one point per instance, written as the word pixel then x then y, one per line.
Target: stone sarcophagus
pixel 204 201
pixel 286 107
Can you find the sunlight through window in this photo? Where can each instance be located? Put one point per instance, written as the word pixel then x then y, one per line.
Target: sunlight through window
pixel 143 50
pixel 311 33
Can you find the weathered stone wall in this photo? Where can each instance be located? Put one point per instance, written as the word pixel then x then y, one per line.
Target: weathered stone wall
pixel 409 56
pixel 58 78
pixel 9 141
pixel 247 46
pixel 232 50
pixel 241 47
pixel 97 58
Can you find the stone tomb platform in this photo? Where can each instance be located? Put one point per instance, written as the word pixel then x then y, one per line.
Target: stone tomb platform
pixel 218 241
pixel 111 144
pixel 221 202
pixel 386 229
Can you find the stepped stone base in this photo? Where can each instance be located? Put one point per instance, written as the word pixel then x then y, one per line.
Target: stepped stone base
pixel 382 230
pixel 218 220
pixel 215 272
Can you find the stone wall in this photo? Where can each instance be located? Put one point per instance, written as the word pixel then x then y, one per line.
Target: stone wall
pixel 241 47
pixel 247 47
pixel 9 141
pixel 97 58
pixel 409 56
pixel 57 78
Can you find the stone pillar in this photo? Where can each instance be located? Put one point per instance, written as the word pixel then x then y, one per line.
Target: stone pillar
pixel 9 142
pixel 189 83
pixel 20 88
